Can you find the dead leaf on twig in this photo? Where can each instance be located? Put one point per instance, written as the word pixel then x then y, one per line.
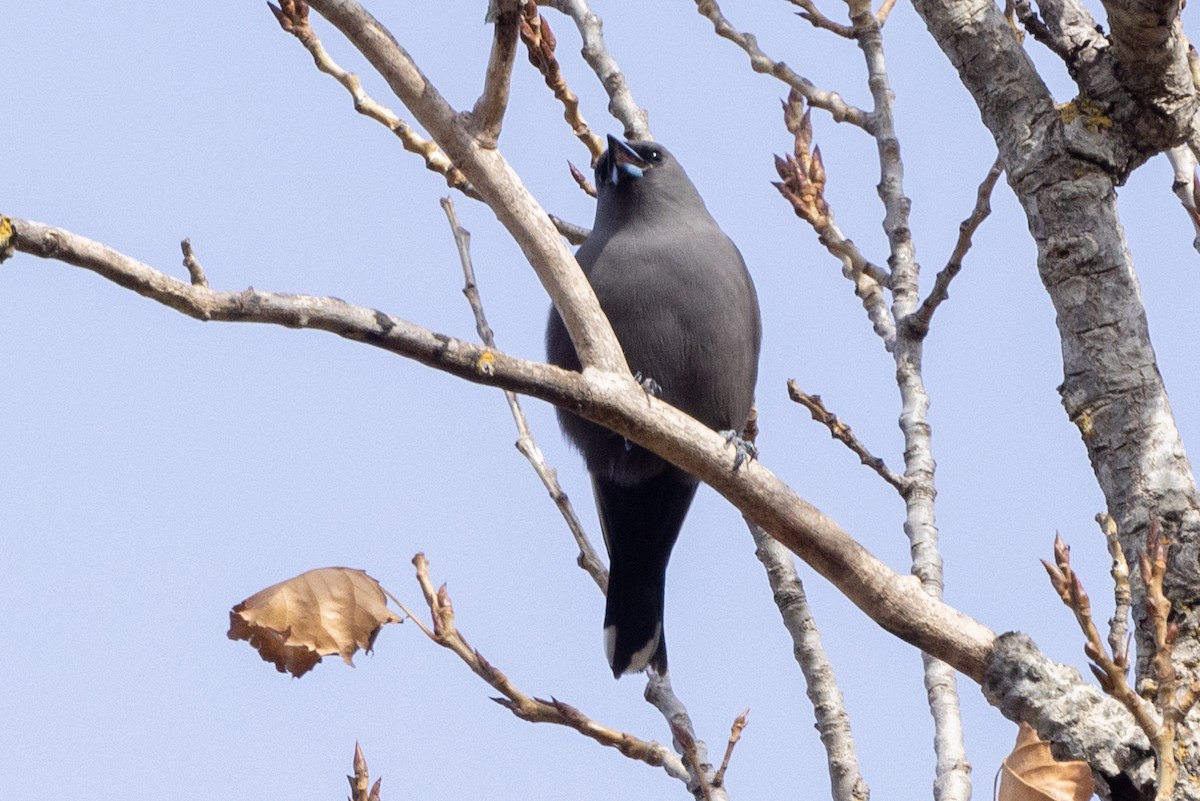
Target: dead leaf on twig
pixel 1030 773
pixel 333 610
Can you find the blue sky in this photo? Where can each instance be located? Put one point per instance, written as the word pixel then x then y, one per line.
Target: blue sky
pixel 155 470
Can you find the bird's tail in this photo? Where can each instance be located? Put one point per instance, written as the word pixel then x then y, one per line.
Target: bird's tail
pixel 641 523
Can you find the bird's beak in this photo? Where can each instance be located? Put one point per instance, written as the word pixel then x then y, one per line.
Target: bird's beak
pixel 622 160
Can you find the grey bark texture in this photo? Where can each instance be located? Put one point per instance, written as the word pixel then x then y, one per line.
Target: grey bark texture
pixel 1136 99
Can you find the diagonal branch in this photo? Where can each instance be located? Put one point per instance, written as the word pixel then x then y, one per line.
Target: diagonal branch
pixel 535 710
pixel 487 117
pixel 894 602
pixel 818 20
pixel 829 707
pixel 495 181
pixel 292 16
pixel 595 52
pixel 761 62
pixel 588 559
pixel 842 433
pixel 539 40
pixel 735 734
pixel 694 751
pixel 918 321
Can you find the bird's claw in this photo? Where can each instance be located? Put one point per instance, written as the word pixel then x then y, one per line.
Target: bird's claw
pixel 743 450
pixel 651 387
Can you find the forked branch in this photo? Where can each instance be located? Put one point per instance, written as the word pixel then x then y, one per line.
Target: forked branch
pixel 444 631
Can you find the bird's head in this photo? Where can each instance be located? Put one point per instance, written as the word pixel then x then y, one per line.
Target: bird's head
pixel 627 162
pixel 641 177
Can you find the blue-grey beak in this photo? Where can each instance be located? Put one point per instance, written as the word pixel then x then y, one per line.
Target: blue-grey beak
pixel 622 161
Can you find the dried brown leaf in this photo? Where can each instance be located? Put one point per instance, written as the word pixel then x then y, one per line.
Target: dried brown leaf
pixel 333 610
pixel 1030 773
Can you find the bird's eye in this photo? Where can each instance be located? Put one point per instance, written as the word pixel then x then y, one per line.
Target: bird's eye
pixel 654 155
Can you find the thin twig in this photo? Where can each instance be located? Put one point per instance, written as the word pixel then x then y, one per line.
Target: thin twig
pixel 1118 624
pixel 735 734
pixel 582 180
pixel 588 559
pixel 487 117
pixel 540 42
pixel 193 264
pixel 575 234
pixel 693 751
pixel 535 710
pixel 595 52
pixel 761 62
pixel 292 16
pixel 1110 672
pixel 803 186
pixel 919 321
pixel 819 20
pixel 842 433
pixel 885 8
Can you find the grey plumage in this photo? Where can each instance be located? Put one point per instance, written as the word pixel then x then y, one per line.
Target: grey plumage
pixel 678 296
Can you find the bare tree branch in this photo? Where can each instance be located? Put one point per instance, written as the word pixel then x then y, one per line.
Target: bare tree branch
pixel 895 602
pixel 693 751
pixel 588 559
pixel 540 42
pixel 829 707
pixel 535 710
pixel 761 62
pixel 842 433
pixel 292 16
pixel 953 772
pixel 595 52
pixel 487 117
pixel 735 734
pixel 819 20
pixel 495 182
pixel 919 321
pixel 192 264
pixel 575 234
pixel 1118 624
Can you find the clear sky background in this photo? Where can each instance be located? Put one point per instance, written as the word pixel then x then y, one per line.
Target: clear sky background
pixel 155 470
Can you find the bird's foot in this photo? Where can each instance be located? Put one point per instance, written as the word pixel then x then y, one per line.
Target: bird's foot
pixel 744 450
pixel 652 388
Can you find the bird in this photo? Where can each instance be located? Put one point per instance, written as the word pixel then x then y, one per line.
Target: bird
pixel 684 308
